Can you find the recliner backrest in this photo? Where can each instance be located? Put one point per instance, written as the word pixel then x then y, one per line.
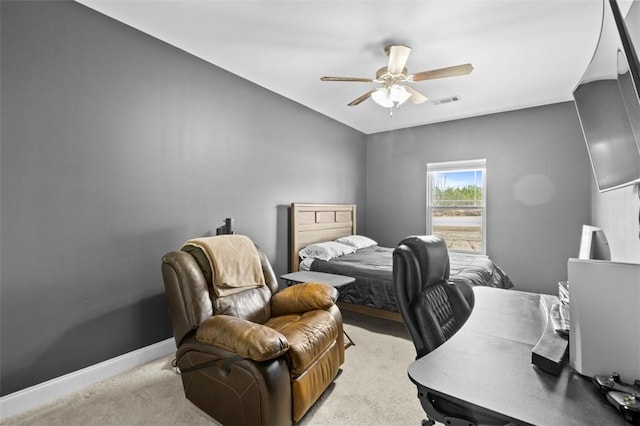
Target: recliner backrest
pixel 432 308
pixel 188 283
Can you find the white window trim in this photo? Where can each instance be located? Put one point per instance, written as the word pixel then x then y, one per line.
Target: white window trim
pixel 460 166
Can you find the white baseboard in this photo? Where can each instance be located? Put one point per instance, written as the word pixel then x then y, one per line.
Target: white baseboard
pixel 34 396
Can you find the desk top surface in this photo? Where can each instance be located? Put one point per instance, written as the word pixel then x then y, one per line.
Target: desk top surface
pixel 487 363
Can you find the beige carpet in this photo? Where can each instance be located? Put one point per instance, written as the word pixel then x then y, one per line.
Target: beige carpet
pixel 372 389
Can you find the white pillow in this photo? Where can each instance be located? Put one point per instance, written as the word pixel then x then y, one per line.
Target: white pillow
pixel 357 241
pixel 305 264
pixel 325 251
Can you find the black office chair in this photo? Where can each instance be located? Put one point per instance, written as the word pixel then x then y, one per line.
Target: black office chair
pixel 432 308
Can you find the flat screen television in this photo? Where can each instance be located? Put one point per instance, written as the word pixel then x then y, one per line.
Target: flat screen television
pixel 608 100
pixel 594 244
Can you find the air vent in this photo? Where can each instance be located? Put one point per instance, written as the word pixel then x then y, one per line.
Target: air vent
pixel 448 100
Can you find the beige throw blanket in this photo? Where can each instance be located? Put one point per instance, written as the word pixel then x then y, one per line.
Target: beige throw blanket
pixel 234 261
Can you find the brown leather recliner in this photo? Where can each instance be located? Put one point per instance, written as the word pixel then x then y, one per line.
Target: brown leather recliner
pixel 257 356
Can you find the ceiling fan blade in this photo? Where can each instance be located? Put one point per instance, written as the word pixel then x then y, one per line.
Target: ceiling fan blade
pixel 443 72
pixel 416 97
pixel 398 56
pixel 359 79
pixel 361 99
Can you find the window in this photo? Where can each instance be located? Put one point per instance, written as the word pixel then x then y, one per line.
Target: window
pixel 456 204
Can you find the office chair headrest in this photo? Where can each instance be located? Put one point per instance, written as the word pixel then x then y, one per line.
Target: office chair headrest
pixel 432 256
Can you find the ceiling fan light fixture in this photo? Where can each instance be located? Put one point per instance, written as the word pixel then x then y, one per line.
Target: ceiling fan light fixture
pixel 382 98
pixel 396 95
pixel 399 94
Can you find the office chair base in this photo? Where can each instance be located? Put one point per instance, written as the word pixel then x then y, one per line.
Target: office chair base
pixel 441 410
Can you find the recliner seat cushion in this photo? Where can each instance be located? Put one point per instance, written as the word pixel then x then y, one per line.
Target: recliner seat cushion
pixel 245 338
pixel 309 335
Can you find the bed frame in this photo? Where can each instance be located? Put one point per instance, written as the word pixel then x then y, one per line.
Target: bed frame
pixel 314 223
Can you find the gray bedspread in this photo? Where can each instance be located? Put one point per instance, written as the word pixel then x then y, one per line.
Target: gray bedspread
pixel 372 269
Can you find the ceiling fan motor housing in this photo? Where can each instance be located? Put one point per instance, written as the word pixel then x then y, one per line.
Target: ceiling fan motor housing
pixel 388 79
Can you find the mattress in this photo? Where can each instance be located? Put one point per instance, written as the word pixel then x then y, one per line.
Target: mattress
pixel 372 267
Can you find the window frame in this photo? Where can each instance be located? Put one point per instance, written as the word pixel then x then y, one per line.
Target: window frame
pixel 459 166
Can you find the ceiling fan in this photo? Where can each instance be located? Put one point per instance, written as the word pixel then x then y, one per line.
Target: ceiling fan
pixel 393 79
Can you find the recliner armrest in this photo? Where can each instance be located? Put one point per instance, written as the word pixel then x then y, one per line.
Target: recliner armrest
pixel 303 298
pixel 245 338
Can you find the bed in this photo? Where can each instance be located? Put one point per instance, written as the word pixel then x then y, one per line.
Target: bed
pixel 372 292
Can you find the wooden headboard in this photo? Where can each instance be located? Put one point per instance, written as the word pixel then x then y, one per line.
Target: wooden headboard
pixel 314 223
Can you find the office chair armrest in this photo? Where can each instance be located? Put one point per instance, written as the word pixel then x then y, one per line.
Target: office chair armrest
pixel 245 338
pixel 303 298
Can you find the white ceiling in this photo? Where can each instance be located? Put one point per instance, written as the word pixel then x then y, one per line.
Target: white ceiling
pixel 524 52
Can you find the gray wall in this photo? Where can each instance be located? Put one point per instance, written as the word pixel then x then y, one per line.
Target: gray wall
pixel 115 149
pixel 537 186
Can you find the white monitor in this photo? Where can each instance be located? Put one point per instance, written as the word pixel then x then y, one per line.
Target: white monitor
pixel 604 335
